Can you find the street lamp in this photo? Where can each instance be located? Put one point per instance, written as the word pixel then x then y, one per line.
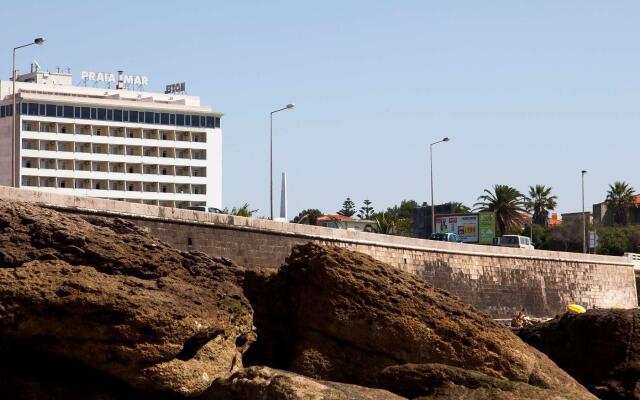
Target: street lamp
pixel 433 207
pixel 287 107
pixel 40 42
pixel 584 218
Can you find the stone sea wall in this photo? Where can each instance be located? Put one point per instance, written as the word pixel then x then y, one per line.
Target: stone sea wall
pixel 498 281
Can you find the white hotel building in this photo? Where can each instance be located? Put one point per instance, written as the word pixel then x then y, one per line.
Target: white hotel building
pixel 151 148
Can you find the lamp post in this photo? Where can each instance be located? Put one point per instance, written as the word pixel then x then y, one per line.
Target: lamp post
pixel 584 218
pixel 40 42
pixel 287 107
pixel 433 207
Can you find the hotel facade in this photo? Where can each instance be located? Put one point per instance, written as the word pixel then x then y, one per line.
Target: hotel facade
pixel 153 148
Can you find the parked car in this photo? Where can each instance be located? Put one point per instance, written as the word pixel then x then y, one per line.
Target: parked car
pixel 522 242
pixel 206 209
pixel 446 237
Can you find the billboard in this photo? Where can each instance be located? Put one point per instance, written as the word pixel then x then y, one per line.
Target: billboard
pixel 487 226
pixel 465 225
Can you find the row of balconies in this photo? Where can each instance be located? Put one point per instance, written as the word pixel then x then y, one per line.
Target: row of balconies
pixel 116 185
pixel 113 167
pixel 115 149
pixel 133 133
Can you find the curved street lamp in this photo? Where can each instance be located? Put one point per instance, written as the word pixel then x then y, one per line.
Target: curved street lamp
pixel 433 207
pixel 39 41
pixel 287 107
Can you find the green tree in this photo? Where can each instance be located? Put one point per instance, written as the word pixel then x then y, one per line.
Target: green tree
pixel 612 241
pixel 620 197
pixel 508 205
pixel 459 208
pixel 400 217
pixel 308 216
pixel 540 202
pixel 348 208
pixel 244 211
pixel 385 223
pixel 366 211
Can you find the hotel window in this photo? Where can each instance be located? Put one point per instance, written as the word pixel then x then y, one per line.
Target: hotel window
pixel 187 120
pixel 125 116
pixel 164 119
pixel 59 111
pixel 42 110
pixel 102 114
pixel 117 115
pixel 109 114
pixel 77 112
pixel 148 117
pixel 94 113
pixel 68 112
pixel 51 110
pixel 133 116
pixel 86 112
pixel 180 119
pixel 172 119
pixel 156 118
pixel 33 109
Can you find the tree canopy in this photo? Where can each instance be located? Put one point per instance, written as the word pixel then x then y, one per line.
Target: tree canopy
pixel 620 197
pixel 308 216
pixel 348 208
pixel 366 211
pixel 509 207
pixel 540 202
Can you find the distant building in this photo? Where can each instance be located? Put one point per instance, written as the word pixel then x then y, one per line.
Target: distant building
pixel 603 216
pixel 342 222
pixel 118 143
pixel 422 218
pixel 554 220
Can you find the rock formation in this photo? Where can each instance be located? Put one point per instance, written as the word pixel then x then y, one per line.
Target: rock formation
pixel 266 383
pixel 94 308
pixel 337 315
pixel 105 294
pixel 600 349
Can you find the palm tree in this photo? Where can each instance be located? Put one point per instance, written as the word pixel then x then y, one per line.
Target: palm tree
pixel 620 197
pixel 540 202
pixel 507 204
pixel 244 211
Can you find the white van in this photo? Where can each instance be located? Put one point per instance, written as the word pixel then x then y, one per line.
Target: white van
pixel 522 242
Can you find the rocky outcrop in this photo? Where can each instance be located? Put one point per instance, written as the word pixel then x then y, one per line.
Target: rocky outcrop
pixel 103 293
pixel 337 315
pixel 600 349
pixel 439 381
pixel 257 383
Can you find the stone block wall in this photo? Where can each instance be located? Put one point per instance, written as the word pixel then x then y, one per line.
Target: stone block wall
pixel 498 281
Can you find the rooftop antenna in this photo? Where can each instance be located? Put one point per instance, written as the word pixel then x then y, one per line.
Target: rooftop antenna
pixel 38 67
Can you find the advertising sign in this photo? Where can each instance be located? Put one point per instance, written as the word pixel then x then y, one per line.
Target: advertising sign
pixel 487 226
pixel 465 225
pixel 593 239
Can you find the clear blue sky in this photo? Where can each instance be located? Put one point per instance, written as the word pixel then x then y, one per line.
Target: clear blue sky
pixel 528 92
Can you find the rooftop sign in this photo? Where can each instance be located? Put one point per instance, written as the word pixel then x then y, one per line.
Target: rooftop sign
pixel 175 88
pixel 107 77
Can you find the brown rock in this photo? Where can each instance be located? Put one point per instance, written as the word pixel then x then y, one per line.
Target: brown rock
pixel 600 349
pixel 438 381
pixel 104 293
pixel 338 315
pixel 258 383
